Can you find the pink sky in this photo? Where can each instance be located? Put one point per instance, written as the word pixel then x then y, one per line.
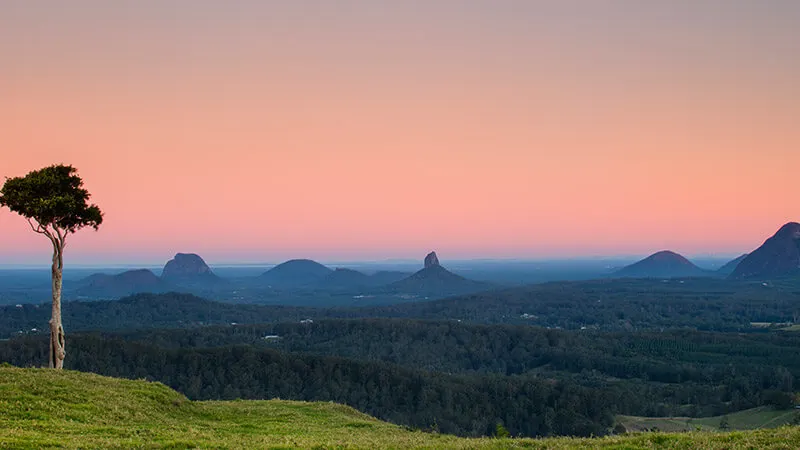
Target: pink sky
pixel 258 131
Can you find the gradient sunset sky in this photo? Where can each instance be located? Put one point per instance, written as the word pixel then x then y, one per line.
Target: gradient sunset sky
pixel 262 130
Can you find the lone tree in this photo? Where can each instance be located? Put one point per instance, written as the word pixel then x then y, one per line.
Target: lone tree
pixel 55 204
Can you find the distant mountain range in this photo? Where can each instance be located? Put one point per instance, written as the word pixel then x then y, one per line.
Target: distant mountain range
pixel 188 272
pixel 778 256
pixel 663 264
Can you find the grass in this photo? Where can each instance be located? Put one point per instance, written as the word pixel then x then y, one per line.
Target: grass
pixel 750 419
pixel 41 408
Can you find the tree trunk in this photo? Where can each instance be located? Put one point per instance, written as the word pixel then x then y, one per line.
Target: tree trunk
pixel 57 342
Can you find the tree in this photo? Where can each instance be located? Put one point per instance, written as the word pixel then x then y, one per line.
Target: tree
pixel 55 204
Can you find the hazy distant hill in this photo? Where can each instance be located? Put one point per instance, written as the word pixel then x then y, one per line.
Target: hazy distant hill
pixel 343 278
pixel 779 256
pixel 385 277
pixel 189 269
pixel 295 273
pixel 731 265
pixel 101 285
pixel 663 264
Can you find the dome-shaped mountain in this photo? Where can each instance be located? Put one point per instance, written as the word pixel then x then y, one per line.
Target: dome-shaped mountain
pixel 663 264
pixel 731 265
pixel 188 268
pixel 779 256
pixel 122 284
pixel 295 273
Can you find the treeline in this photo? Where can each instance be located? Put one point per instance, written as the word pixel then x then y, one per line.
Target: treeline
pixel 457 347
pixel 679 373
pixel 458 404
pixel 608 305
pixel 674 373
pixel 170 310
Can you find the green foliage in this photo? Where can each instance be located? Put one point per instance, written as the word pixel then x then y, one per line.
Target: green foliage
pixel 779 400
pixel 724 425
pixel 465 376
pixel 749 419
pixel 456 404
pixel 53 197
pixel 500 431
pixel 65 409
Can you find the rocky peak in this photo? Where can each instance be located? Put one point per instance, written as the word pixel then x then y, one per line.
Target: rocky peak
pixel 790 230
pixel 185 265
pixel 431 260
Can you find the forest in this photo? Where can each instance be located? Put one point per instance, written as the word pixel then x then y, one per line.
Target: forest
pixel 607 305
pixel 450 376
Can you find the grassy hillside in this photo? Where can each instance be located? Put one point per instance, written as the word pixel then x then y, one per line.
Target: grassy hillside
pixel 44 408
pixel 750 419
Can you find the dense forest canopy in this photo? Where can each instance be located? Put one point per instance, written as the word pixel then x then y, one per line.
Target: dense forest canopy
pixel 455 377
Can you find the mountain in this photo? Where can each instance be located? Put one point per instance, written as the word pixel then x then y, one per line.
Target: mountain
pixel 125 283
pixel 295 273
pixel 779 256
pixel 664 264
pixel 342 278
pixel 385 277
pixel 730 266
pixel 189 268
pixel 435 279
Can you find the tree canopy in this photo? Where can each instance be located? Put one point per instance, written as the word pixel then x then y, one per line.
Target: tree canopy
pixel 53 200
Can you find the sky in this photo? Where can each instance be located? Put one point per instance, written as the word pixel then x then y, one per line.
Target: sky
pixel 255 131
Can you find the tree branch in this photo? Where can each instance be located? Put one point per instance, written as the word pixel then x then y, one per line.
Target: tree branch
pixel 37 228
pixel 62 237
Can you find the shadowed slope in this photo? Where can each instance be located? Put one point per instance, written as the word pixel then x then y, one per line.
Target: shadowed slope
pixel 731 265
pixel 778 256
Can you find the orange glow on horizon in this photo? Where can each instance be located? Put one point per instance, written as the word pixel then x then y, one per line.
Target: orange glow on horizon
pixel 225 137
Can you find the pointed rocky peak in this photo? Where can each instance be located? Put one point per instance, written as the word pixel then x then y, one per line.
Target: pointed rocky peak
pixel 431 260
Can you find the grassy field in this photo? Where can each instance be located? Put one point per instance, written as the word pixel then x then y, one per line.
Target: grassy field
pixel 42 408
pixel 751 419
